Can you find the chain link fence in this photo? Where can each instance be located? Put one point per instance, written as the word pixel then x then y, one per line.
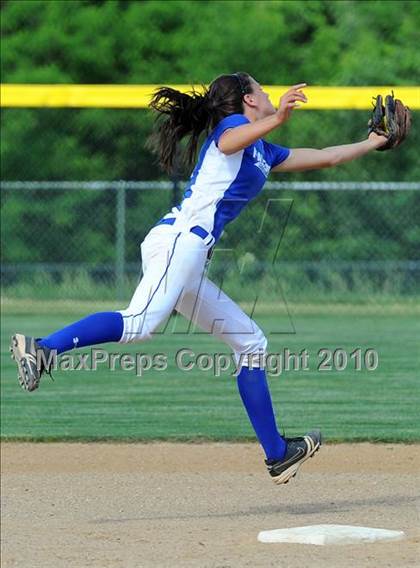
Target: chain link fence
pixel 313 242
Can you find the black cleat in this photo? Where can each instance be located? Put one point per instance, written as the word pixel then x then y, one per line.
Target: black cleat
pixel 298 451
pixel 24 351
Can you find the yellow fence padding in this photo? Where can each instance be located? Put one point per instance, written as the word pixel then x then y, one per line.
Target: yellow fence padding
pixel 138 96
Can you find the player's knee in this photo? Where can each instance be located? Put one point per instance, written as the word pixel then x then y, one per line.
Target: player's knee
pixel 135 327
pixel 252 343
pixel 258 341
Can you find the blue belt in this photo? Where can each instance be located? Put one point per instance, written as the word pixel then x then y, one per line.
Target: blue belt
pixel 197 230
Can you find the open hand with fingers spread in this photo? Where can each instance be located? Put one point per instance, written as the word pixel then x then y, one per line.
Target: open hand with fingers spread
pixel 289 101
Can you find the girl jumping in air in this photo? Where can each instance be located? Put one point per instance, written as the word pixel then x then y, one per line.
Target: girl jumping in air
pixel 235 113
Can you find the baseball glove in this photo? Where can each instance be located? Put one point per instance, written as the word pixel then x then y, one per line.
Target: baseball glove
pixel 391 119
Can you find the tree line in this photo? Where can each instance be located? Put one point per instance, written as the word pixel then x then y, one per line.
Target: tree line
pixel 128 42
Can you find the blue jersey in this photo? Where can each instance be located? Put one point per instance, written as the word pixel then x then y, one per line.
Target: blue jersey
pixel 220 185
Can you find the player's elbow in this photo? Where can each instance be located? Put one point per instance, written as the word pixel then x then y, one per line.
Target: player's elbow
pixel 227 149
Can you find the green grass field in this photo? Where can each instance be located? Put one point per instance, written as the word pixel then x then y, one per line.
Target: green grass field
pixel 379 405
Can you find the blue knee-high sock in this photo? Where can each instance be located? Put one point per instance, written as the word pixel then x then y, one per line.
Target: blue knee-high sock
pixel 253 388
pixel 96 328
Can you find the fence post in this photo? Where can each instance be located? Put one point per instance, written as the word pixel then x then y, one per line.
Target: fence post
pixel 120 240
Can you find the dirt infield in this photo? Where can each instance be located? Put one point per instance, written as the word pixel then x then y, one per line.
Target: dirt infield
pixel 136 505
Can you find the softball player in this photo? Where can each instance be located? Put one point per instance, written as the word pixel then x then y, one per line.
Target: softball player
pixel 232 167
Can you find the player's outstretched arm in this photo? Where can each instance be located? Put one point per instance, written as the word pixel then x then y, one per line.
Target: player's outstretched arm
pixel 236 139
pixel 301 159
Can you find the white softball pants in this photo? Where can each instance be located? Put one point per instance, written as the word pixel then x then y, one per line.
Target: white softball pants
pixel 174 278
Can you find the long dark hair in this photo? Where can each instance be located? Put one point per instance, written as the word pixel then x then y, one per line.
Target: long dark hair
pixel 190 114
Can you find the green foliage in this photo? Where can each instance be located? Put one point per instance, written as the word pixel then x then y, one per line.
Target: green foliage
pixel 320 42
pixel 279 42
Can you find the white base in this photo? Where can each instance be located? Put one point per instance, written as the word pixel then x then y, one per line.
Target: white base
pixel 329 534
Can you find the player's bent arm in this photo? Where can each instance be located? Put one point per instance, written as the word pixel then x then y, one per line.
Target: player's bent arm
pixel 301 159
pixel 236 139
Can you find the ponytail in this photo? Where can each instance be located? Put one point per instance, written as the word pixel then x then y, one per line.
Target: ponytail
pixel 180 114
pixel 191 114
